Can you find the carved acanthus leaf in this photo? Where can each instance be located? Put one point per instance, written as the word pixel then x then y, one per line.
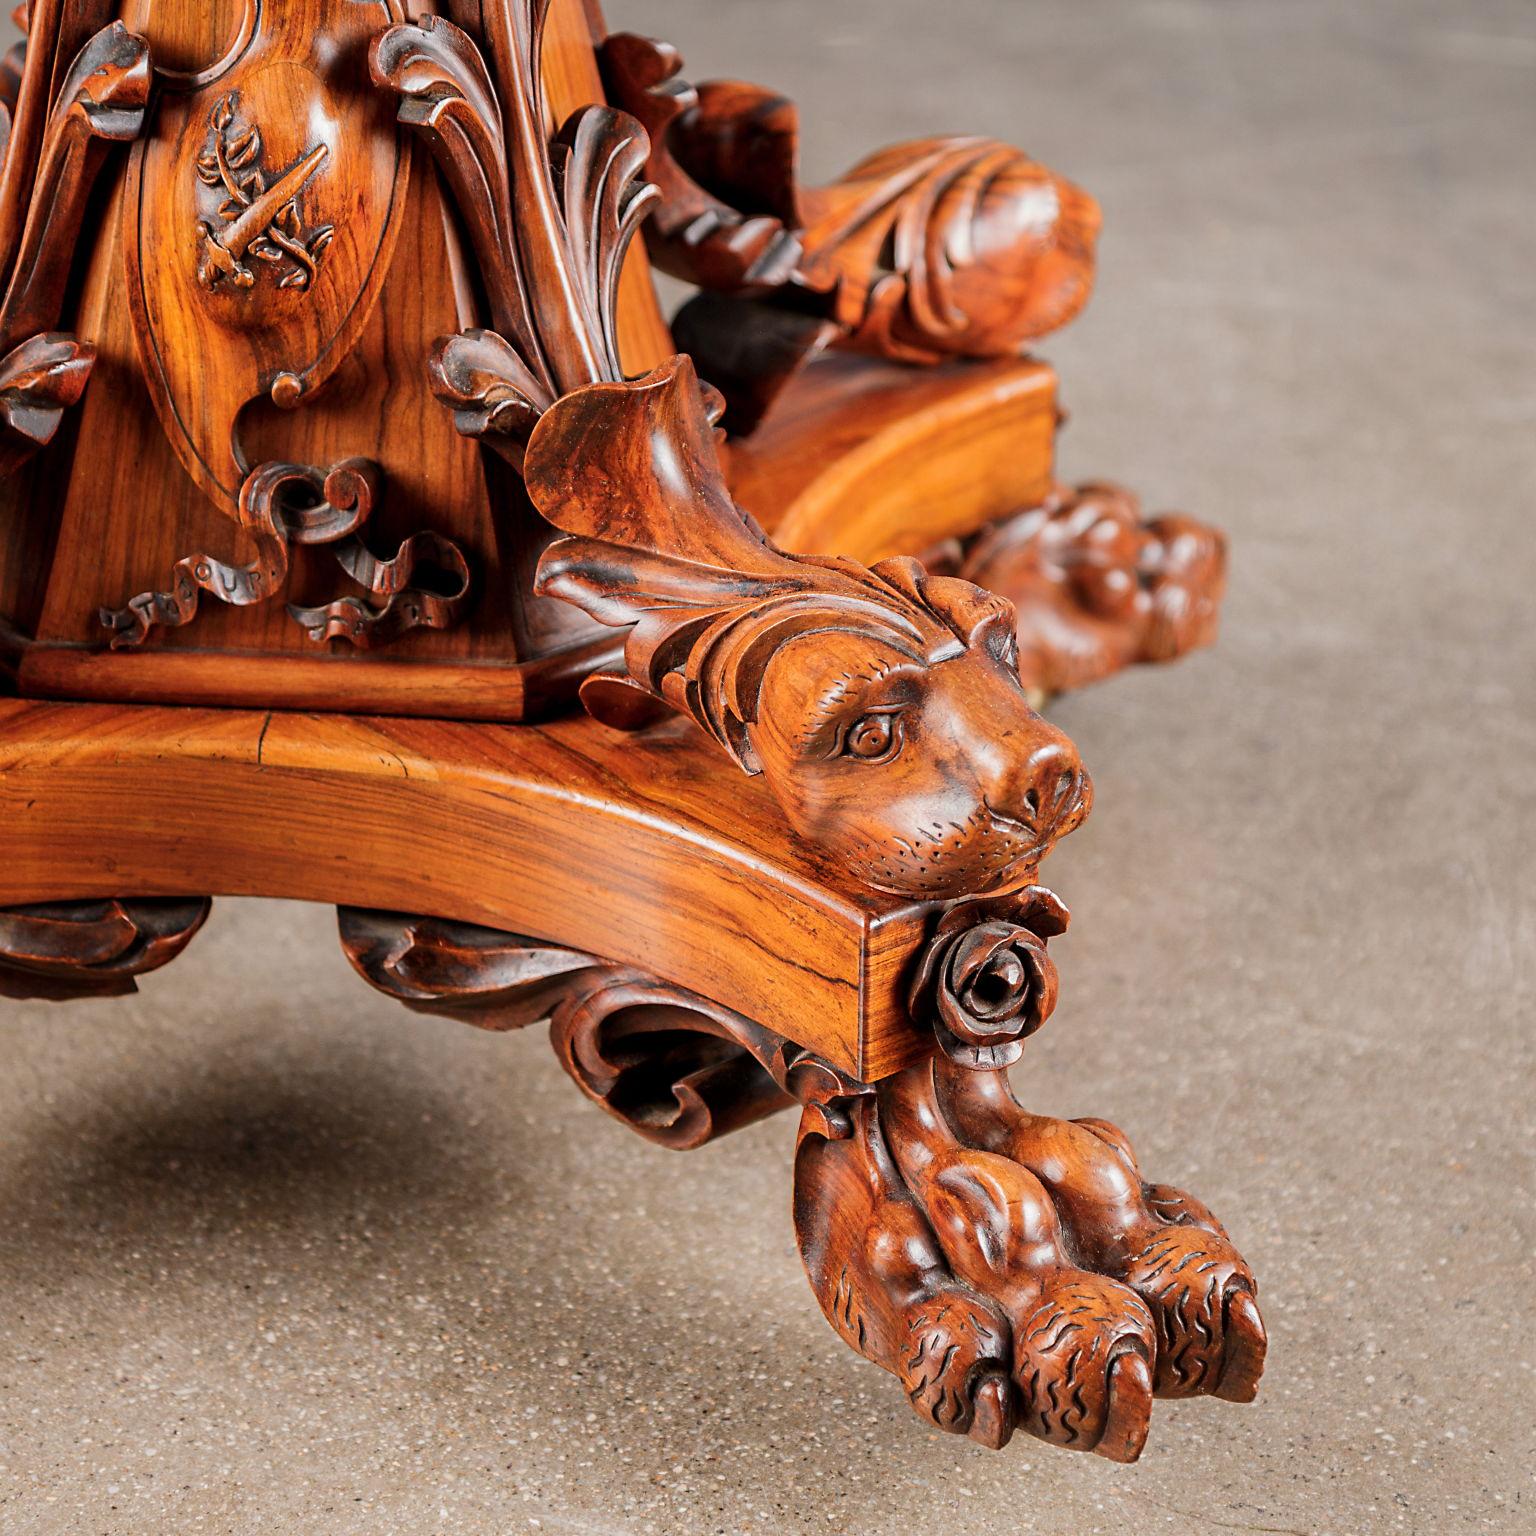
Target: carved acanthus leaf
pixel 448 98
pixel 551 222
pixel 694 233
pixel 482 976
pixel 55 146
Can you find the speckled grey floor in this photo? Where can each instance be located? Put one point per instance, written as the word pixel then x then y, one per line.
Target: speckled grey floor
pixel 276 1257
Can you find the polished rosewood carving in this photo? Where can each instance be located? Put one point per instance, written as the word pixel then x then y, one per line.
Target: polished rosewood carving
pixel 550 222
pixel 69 949
pixel 282 505
pixel 254 216
pixel 58 140
pixel 261 155
pixel 943 247
pixel 1096 587
pixel 1013 1271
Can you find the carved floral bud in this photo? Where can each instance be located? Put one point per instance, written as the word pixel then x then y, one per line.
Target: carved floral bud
pixel 984 987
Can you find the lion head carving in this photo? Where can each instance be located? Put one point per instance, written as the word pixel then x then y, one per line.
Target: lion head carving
pixel 881 706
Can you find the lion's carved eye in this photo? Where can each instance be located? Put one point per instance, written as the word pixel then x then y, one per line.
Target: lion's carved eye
pixel 874 738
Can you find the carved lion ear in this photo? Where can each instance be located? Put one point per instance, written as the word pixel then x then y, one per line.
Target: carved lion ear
pixel 969 612
pixel 636 465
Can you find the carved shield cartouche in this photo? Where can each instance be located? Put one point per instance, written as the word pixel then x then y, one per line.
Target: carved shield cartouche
pixel 259 221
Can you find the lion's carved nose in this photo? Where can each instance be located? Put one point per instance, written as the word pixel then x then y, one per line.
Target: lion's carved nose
pixel 1057 792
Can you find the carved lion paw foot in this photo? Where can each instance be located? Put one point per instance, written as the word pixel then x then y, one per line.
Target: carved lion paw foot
pixel 1013 1271
pixel 1097 587
pixel 953 1367
pixel 1083 1363
pixel 1162 1243
pixel 1201 1291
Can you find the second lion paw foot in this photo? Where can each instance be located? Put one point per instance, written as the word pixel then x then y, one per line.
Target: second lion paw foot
pixel 1098 588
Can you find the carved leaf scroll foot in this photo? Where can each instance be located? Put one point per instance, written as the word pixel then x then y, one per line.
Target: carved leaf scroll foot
pixel 64 950
pixel 1013 1271
pixel 673 1066
pixel 1097 586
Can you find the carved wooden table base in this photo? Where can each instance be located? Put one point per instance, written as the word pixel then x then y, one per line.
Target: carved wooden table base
pixel 811 786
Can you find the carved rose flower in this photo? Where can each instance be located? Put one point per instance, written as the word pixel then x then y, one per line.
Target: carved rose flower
pixel 986 986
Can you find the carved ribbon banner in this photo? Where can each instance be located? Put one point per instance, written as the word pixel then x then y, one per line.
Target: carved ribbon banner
pixel 282 505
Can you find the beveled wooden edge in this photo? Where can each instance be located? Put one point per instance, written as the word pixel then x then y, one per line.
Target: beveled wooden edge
pixel 650 851
pixel 870 459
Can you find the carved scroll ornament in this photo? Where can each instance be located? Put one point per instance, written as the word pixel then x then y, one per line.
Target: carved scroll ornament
pixel 675 1067
pixel 881 707
pixel 63 950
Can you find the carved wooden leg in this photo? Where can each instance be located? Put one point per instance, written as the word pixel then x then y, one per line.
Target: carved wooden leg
pixel 1010 1270
pixel 1097 587
pixel 72 949
pixel 955 1236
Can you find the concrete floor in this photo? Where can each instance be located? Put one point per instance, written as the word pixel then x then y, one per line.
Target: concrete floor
pixel 277 1257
